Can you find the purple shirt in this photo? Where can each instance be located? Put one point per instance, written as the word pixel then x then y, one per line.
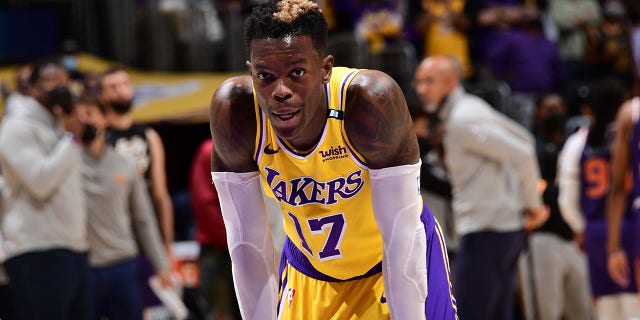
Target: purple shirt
pixel 530 63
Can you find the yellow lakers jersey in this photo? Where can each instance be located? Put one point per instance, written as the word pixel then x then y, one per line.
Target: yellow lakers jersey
pixel 324 194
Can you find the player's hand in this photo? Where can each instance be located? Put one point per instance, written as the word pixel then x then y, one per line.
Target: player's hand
pixel 535 217
pixel 618 268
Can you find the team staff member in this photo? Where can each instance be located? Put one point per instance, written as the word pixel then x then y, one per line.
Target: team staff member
pixel 121 220
pixel 44 223
pixel 494 174
pixel 145 145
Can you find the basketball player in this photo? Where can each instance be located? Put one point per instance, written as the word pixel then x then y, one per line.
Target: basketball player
pixel 584 170
pixel 625 159
pixel 336 148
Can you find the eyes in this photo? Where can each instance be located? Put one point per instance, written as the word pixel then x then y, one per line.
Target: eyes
pixel 296 74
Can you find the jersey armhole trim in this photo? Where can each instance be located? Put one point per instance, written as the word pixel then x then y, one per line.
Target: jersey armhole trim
pixel 342 100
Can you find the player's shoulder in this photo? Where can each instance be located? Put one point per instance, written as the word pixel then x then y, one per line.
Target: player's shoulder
pixel 373 91
pixel 369 83
pixel 234 87
pixel 628 114
pixel 233 99
pixel 377 120
pixel 232 120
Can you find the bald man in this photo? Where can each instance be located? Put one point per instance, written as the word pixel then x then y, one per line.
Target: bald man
pixel 494 175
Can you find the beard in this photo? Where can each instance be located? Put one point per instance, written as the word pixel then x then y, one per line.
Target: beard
pixel 121 107
pixel 431 108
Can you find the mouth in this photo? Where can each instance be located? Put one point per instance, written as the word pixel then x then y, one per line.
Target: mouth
pixel 285 116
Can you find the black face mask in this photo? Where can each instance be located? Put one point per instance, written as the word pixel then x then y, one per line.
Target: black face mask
pixel 89 133
pixel 60 96
pixel 121 107
pixel 553 122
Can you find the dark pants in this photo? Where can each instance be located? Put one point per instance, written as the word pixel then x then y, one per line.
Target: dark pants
pixel 6 306
pixel 116 291
pixel 485 274
pixel 51 284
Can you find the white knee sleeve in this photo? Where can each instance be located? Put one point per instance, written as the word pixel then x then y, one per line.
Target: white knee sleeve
pixel 397 207
pixel 250 244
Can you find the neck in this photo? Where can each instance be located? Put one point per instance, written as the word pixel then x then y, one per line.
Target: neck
pixel 306 142
pixel 97 147
pixel 120 121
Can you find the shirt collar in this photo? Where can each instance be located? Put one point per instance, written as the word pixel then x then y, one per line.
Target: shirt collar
pixel 449 101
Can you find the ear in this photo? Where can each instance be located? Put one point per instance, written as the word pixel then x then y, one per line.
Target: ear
pixel 327 67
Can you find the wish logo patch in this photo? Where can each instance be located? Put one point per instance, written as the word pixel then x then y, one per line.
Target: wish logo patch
pixel 333 153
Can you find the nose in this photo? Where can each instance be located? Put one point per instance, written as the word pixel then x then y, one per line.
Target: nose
pixel 282 92
pixel 421 86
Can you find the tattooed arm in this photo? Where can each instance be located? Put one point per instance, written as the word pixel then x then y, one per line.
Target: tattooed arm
pixel 378 124
pixel 237 180
pixel 232 122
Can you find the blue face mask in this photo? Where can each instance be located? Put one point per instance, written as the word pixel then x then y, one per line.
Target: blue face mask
pixel 70 62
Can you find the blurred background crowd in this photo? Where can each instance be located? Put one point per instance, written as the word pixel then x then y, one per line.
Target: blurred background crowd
pixel 534 61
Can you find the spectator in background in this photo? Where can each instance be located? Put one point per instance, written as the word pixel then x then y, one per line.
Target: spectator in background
pixel 121 220
pixel 487 19
pixel 554 274
pixel 44 221
pixel 91 85
pixel 443 27
pixel 145 146
pixel 633 10
pixel 608 52
pixel 494 175
pixel 375 23
pixel 573 17
pixel 216 280
pixel 21 90
pixel 585 170
pixel 530 63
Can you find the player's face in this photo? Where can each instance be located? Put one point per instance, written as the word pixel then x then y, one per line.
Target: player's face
pixel 288 76
pixel 116 87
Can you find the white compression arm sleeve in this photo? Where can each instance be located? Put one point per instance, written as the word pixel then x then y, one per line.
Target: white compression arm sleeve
pixel 396 206
pixel 250 244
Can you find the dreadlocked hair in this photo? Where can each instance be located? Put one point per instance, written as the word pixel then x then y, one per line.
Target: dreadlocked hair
pixel 281 18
